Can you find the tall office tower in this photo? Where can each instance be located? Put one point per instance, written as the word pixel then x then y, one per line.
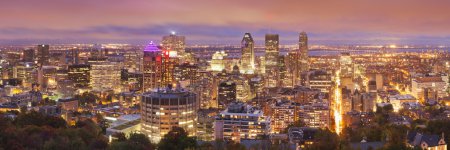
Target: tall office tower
pixel 158 67
pixel 28 55
pixel 248 54
pixel 169 60
pixel 152 67
pixel 163 109
pixel 302 59
pixel 174 42
pixel 226 93
pixel 272 53
pixel 80 75
pixel 43 55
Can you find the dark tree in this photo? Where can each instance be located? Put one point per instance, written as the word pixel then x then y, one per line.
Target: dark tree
pixel 177 139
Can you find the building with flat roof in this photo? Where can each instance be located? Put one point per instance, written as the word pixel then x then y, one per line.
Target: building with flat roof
pixel 163 109
pixel 241 121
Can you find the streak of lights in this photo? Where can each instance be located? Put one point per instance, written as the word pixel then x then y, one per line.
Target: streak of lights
pixel 338 104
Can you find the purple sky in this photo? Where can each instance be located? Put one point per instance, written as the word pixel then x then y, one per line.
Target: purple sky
pixel 221 21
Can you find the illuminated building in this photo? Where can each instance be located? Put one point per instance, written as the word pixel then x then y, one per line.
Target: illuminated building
pixel 68 104
pixel 248 54
pixel 105 76
pixel 166 108
pixel 205 124
pixel 435 83
pixel 126 124
pixel 169 60
pixel 417 140
pixel 133 60
pixel 302 136
pixel 43 55
pixel 152 67
pixel 282 115
pixel 302 58
pixel 241 121
pixel 80 75
pixel 217 61
pixel 346 100
pixel 318 79
pixel 398 100
pixel 284 73
pixel 47 77
pixel 134 80
pixel 206 92
pixel 174 43
pixel 28 55
pixel 363 102
pixel 75 55
pixel 24 72
pixel 346 65
pixel 316 115
pixel 256 87
pixel 226 93
pixel 129 99
pixel 186 71
pixel 271 59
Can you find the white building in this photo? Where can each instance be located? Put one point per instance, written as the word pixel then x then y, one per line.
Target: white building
pixel 398 100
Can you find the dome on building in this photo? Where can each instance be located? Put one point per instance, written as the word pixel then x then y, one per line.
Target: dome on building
pixel 152 47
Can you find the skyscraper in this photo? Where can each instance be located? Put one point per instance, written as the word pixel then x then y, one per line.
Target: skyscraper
pixel 272 53
pixel 302 63
pixel 158 67
pixel 174 42
pixel 248 54
pixel 152 67
pixel 43 55
pixel 28 55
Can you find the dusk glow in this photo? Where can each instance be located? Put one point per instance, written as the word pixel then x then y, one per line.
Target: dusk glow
pixel 205 21
pixel 225 74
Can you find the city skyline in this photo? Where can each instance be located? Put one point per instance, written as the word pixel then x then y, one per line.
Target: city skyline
pixel 362 22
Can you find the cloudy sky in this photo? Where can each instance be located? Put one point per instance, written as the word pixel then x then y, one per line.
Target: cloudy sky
pixel 225 22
